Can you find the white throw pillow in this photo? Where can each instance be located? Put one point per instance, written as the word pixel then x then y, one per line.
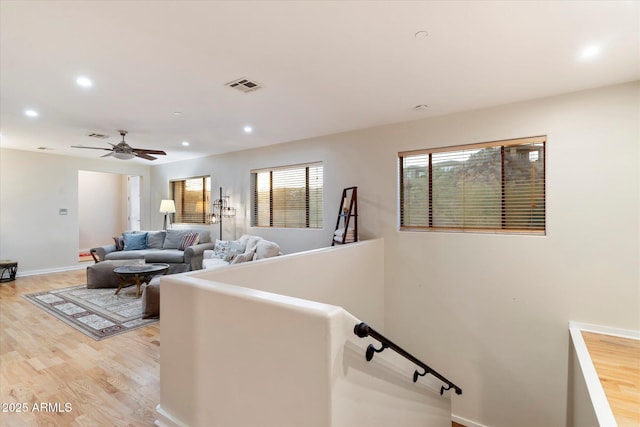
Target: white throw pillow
pixel 266 249
pixel 212 263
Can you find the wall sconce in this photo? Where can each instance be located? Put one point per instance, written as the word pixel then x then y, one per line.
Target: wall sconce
pixel 221 209
pixel 167 207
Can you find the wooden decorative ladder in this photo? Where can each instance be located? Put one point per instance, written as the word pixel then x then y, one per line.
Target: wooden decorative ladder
pixel 347 218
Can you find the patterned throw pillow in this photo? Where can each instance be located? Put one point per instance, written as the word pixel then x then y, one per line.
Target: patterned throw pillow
pixel 119 242
pixel 189 239
pixel 245 257
pixel 226 249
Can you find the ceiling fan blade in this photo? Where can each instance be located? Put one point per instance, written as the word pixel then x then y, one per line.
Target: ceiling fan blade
pixel 143 151
pixel 93 148
pixel 143 156
pixel 108 154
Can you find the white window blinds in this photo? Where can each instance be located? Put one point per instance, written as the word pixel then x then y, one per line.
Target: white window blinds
pixel 288 197
pixel 192 198
pixel 496 186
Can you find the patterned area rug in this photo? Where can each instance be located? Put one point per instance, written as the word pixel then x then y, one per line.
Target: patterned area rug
pixel 97 313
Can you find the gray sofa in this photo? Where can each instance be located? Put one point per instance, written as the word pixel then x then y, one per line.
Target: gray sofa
pixel 159 246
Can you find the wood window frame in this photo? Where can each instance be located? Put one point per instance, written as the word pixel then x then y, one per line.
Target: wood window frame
pixel 274 220
pixel 201 212
pixel 504 224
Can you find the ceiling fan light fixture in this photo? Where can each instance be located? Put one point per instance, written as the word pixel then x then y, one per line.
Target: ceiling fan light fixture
pixel 124 151
pixel 123 156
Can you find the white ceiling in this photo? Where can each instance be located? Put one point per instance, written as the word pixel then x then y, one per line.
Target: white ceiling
pixel 326 66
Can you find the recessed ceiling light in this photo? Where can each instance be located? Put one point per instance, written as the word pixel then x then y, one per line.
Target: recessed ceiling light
pixel 31 113
pixel 84 82
pixel 422 34
pixel 185 143
pixel 247 129
pixel 177 113
pixel 420 107
pixel 590 52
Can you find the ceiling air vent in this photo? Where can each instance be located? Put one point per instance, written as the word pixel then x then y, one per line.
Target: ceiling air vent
pixel 244 85
pixel 98 135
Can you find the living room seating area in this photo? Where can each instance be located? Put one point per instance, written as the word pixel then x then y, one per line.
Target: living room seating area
pixel 182 249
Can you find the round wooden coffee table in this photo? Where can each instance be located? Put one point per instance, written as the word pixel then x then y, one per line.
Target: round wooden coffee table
pixel 138 275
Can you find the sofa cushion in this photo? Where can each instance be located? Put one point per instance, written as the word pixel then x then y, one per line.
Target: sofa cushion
pixel 118 255
pixel 266 249
pixel 135 241
pixel 205 236
pixel 245 257
pixel 173 256
pixel 189 239
pixel 118 242
pixel 249 241
pixel 155 239
pixel 174 238
pixel 212 263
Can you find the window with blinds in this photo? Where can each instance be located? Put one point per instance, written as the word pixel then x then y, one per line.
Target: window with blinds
pixel 495 186
pixel 288 197
pixel 192 197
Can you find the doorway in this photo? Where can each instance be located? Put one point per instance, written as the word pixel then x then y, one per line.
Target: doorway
pixel 133 202
pixel 108 212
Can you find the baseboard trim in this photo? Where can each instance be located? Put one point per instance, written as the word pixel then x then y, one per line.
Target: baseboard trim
pixel 466 422
pixel 50 270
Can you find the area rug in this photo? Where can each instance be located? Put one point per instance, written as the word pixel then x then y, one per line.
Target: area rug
pixel 84 256
pixel 97 313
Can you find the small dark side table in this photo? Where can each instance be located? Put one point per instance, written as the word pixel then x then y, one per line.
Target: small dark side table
pixel 10 268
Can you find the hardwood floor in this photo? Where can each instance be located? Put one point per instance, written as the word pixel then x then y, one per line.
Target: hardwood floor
pixel 81 382
pixel 617 363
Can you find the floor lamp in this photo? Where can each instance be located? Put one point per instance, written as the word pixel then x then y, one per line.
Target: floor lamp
pixel 167 207
pixel 221 209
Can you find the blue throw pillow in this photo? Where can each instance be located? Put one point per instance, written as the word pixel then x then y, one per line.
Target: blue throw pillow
pixel 135 241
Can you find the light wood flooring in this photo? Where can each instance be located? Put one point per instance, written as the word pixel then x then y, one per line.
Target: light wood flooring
pixel 617 363
pixel 112 382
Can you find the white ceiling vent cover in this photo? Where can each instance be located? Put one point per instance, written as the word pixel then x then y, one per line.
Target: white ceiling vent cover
pixel 244 85
pixel 98 135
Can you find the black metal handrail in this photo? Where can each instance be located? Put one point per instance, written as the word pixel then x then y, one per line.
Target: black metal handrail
pixel 363 330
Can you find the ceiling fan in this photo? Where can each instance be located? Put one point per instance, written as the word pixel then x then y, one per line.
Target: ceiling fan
pixel 124 151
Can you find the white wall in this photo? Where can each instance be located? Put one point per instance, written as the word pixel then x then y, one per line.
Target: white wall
pixel 491 310
pixel 349 276
pixel 244 356
pixel 102 207
pixel 33 187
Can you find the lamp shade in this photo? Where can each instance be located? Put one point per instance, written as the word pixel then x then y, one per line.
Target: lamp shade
pixel 167 206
